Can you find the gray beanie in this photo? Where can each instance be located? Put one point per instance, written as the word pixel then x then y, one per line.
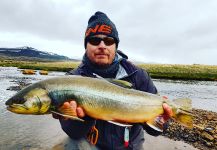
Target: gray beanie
pixel 99 23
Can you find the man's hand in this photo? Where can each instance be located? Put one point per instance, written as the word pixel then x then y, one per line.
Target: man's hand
pixel 167 112
pixel 162 119
pixel 69 108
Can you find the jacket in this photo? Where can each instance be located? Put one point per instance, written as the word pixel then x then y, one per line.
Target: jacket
pixel 111 136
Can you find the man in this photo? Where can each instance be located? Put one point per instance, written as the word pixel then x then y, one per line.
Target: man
pixel 102 59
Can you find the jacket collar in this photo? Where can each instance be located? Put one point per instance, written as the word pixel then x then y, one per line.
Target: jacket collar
pixel 126 69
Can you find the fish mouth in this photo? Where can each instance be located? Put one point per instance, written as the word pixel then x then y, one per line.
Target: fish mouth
pixel 17 108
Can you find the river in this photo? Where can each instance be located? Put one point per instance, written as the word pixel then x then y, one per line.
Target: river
pixel 43 132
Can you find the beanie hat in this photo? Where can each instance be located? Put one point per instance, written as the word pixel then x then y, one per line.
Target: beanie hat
pixel 99 23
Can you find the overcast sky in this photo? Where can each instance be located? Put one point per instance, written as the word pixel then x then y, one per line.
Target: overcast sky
pixel 151 31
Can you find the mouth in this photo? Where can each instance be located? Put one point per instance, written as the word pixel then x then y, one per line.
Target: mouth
pixel 101 55
pixel 16 107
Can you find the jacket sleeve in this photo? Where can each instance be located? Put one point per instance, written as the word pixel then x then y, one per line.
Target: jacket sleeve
pixel 76 129
pixel 146 84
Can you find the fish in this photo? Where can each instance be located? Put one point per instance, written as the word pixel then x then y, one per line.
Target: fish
pixel 111 100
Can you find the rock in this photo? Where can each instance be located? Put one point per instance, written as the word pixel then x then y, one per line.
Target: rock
pixel 207 136
pixel 21 83
pixel 28 71
pixel 14 88
pixel 210 130
pixel 204 134
pixel 209 116
pixel 209 144
pixel 43 72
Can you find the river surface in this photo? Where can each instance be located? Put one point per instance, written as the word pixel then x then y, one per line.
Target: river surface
pixel 43 132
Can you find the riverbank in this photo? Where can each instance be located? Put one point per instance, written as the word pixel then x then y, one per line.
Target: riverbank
pixel 158 71
pixel 203 136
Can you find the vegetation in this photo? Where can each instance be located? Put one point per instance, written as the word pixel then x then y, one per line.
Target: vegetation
pixel 184 72
pixel 35 65
pixel 166 71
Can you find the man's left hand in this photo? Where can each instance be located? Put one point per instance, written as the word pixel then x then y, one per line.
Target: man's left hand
pixel 162 119
pixel 167 112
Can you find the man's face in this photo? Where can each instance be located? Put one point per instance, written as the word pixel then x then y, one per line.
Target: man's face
pixel 103 53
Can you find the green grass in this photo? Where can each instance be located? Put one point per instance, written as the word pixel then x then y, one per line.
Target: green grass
pixel 165 71
pixel 184 72
pixel 48 66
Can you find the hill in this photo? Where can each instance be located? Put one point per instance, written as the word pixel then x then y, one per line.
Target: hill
pixel 29 53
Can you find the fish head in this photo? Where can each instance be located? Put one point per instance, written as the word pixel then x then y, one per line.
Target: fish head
pixel 29 101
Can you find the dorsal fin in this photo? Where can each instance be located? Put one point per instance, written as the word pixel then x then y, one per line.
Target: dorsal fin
pixel 121 83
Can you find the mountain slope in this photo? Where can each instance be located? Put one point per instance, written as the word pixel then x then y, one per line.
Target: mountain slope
pixel 30 53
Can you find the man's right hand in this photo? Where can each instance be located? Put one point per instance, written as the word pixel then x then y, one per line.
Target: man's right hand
pixel 69 108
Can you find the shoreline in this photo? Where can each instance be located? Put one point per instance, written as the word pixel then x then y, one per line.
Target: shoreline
pixel 197 72
pixel 202 136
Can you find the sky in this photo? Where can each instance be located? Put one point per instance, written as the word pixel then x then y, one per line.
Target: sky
pixel 150 31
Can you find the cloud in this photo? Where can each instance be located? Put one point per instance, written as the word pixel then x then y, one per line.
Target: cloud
pixel 168 31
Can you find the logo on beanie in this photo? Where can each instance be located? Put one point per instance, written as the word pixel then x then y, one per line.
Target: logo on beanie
pixel 99 28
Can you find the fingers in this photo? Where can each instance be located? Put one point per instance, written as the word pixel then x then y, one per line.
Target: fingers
pixel 69 108
pixel 167 112
pixel 77 110
pixel 73 107
pixel 80 112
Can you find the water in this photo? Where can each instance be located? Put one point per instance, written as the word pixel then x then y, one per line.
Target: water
pixel 44 132
pixel 23 131
pixel 202 93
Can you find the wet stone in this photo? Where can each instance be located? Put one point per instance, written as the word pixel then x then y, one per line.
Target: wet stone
pixel 209 144
pixel 203 136
pixel 20 84
pixel 209 116
pixel 207 136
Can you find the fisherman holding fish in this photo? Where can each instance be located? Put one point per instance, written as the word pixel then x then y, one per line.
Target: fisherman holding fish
pixel 106 100
pixel 103 60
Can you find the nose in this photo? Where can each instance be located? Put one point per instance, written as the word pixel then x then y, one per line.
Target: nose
pixel 102 44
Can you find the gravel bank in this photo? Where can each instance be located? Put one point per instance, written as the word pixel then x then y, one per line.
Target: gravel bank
pixel 203 136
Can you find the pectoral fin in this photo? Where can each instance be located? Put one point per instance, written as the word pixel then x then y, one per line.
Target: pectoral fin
pixel 68 116
pixel 154 124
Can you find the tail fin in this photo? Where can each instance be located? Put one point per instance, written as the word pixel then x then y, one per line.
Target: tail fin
pixel 184 114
